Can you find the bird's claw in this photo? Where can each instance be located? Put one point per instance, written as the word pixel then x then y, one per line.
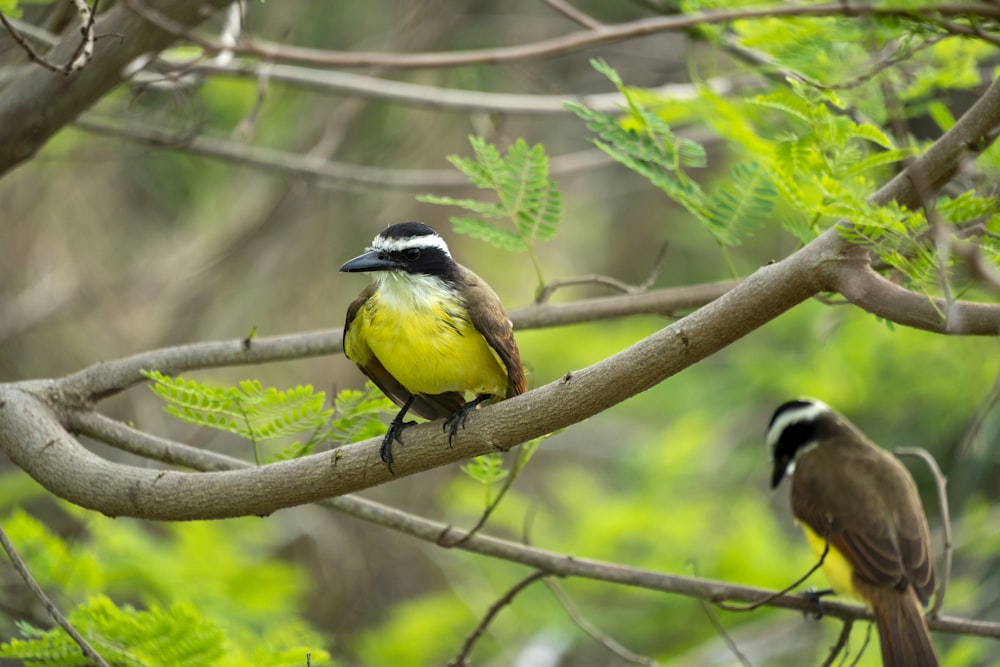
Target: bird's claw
pixel 817 597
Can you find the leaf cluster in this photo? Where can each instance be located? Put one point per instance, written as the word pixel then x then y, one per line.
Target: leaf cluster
pixel 811 163
pixel 123 636
pixel 245 612
pixel 257 413
pixel 529 204
pixel 645 143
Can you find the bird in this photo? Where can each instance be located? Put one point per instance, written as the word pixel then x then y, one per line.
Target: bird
pixel 859 505
pixel 427 330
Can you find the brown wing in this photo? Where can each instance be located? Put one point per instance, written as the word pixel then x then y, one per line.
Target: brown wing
pixel 866 501
pixel 426 406
pixel 490 319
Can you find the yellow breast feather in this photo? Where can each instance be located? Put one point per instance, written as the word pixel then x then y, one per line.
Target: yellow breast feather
pixel 427 346
pixel 835 567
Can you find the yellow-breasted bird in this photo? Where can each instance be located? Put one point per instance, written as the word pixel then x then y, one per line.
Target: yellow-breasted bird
pixel 427 330
pixel 859 502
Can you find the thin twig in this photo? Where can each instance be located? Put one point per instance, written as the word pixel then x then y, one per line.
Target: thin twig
pixel 941 484
pixel 47 603
pixel 967 445
pixel 332 173
pixel 594 279
pixel 451 542
pixel 841 644
pixel 784 591
pixel 33 55
pixel 713 618
pixel 462 659
pixel 575 41
pixel 85 50
pixel 979 267
pixel 574 14
pixel 591 631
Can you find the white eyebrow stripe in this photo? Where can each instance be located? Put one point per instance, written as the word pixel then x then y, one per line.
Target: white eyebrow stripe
pixel 396 243
pixel 802 414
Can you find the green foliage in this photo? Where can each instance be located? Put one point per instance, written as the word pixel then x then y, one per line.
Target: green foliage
pixel 250 410
pixel 260 413
pixel 529 205
pixel 645 143
pixel 198 611
pixel 486 469
pixel 489 469
pixel 123 636
pixel 53 562
pixel 424 632
pixel 807 151
pixel 359 415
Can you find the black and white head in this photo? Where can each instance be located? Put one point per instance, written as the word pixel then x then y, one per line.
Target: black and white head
pixel 796 427
pixel 407 248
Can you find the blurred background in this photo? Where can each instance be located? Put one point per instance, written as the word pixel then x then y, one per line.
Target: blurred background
pixel 111 246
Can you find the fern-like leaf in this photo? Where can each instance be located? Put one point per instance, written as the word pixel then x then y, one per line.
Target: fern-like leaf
pixel 529 206
pixel 496 237
pixel 124 636
pixel 742 205
pixel 250 410
pixel 358 415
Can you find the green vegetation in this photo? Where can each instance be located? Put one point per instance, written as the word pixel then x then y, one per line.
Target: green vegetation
pixel 674 480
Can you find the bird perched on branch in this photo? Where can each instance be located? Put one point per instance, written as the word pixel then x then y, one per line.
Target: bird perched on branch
pixel 428 330
pixel 861 513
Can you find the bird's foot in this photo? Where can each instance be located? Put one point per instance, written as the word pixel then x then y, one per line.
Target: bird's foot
pixel 396 427
pixel 452 423
pixel 817 598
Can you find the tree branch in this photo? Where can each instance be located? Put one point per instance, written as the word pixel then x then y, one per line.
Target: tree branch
pixel 540 559
pixel 336 174
pixel 569 43
pixel 31 426
pixel 38 104
pixel 107 378
pixel 438 97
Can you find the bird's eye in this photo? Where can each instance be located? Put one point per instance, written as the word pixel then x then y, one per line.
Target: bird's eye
pixel 411 254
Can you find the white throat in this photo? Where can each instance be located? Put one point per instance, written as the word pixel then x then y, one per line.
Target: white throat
pixel 409 291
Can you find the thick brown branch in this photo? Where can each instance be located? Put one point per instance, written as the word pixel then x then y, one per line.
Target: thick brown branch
pixel 828 263
pixel 33 437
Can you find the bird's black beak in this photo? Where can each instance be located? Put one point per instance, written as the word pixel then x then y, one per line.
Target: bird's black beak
pixel 780 466
pixel 373 260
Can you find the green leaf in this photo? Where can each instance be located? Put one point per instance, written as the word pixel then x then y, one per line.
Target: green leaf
pixel 741 206
pixel 358 415
pixel 486 469
pixel 250 410
pixel 498 238
pixel 174 637
pixel 10 8
pixel 529 204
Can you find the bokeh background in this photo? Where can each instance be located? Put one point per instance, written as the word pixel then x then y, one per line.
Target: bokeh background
pixel 109 247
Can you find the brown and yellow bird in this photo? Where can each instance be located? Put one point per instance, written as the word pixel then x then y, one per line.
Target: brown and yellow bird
pixel 428 330
pixel 859 501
